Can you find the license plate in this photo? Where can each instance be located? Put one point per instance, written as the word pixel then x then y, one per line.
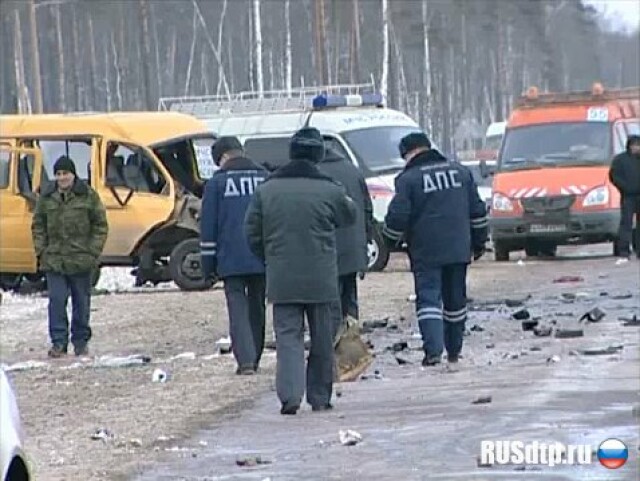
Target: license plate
pixel 539 228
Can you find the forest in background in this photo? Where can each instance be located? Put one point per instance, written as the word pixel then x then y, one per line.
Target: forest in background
pixel 447 63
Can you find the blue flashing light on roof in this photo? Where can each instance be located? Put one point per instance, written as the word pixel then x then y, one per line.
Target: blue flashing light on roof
pixel 326 101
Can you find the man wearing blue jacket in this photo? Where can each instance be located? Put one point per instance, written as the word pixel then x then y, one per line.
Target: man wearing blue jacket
pixel 225 250
pixel 437 210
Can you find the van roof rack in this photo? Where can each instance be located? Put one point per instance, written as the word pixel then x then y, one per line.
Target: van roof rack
pixel 631 93
pixel 252 102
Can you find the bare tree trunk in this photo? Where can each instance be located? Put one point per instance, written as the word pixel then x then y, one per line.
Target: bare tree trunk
pixel 156 42
pixel 35 57
pixel 107 83
pixel 354 51
pixel 93 65
pixel 426 70
pixel 171 60
pixel 204 77
pixel 77 77
pixel 233 77
pixel 192 52
pixel 271 70
pixel 21 88
pixel 220 30
pixel 215 51
pixel 62 103
pixel 384 79
pixel 116 66
pixel 320 43
pixel 287 52
pixel 146 54
pixel 257 27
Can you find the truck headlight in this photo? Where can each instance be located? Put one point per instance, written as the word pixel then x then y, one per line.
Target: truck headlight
pixel 501 203
pixel 597 196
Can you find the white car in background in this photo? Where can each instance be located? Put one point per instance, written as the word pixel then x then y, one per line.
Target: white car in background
pixel 13 461
pixel 483 183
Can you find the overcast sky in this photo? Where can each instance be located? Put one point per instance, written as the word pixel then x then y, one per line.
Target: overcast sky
pixel 623 14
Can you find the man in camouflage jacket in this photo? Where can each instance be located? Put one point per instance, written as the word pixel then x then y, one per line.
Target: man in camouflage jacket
pixel 69 232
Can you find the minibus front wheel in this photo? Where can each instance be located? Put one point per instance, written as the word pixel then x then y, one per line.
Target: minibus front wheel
pixel 185 266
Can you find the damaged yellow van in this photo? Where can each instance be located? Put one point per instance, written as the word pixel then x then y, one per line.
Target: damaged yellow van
pixel 149 170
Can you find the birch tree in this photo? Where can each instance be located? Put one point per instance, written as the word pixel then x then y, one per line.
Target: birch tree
pixel 258 45
pixel 287 52
pixel 384 78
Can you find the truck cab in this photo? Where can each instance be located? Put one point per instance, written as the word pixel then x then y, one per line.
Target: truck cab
pixel 551 186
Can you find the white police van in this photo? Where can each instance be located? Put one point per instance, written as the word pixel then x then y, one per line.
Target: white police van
pixel 352 119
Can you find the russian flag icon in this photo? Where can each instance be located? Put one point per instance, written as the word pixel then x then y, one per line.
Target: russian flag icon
pixel 612 453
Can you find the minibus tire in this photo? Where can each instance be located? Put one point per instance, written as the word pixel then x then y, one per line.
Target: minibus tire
pixel 185 280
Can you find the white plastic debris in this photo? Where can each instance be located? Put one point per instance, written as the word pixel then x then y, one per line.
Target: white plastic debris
pixel 125 361
pixel 209 357
pixel 135 442
pixel 412 298
pixel 521 262
pixel 190 356
pixel 553 359
pixel 159 376
pixel 25 366
pixel 224 345
pixel 102 434
pixel 349 437
pixel 203 444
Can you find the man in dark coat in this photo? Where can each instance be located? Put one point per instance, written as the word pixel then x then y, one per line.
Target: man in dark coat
pixel 69 232
pixel 625 175
pixel 351 242
pixel 225 250
pixel 291 224
pixel 437 210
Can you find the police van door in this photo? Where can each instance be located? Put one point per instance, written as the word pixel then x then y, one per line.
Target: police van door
pixel 20 174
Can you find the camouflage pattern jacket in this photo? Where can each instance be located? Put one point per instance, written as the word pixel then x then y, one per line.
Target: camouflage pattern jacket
pixel 69 229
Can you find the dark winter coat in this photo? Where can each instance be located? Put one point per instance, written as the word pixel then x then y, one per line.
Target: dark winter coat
pixel 625 173
pixel 437 210
pixel 69 230
pixel 351 242
pixel 223 243
pixel 291 224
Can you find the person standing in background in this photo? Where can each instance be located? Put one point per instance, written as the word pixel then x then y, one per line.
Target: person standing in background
pixel 291 224
pixel 225 251
pixel 69 231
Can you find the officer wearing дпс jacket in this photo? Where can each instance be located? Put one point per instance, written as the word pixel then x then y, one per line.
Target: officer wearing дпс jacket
pixel 225 250
pixel 443 220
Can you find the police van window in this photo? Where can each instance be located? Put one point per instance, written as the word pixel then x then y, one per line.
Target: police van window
pixel 77 150
pixel 376 149
pixel 4 169
pixel 131 168
pixel 273 152
pixel 334 146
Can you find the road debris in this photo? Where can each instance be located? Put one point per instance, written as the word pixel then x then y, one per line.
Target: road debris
pixel 535 348
pixel 601 351
pixel 529 325
pixel 482 400
pixel 159 376
pixel 490 346
pixel 223 345
pixel 399 346
pixel 594 315
pixel 521 315
pixel 369 326
pixel 568 279
pixel 401 361
pixel 568 333
pixel 630 321
pixel 376 375
pixel 516 302
pixel 349 437
pixel 189 356
pixel 476 328
pixel 621 297
pixel 102 434
pixel 553 359
pixel 251 461
pixel 542 331
pixel 25 366
pixel 124 361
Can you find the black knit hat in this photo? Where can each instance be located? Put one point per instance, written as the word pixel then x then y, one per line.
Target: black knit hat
pixel 224 145
pixel 413 141
pixel 64 163
pixel 307 143
pixel 633 140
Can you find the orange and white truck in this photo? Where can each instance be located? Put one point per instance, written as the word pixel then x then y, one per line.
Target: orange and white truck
pixel 551 185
